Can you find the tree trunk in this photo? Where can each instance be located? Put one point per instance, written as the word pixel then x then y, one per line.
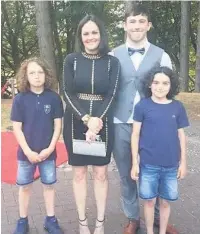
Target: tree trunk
pixel 184 45
pixel 197 79
pixel 59 57
pixel 127 5
pixel 45 35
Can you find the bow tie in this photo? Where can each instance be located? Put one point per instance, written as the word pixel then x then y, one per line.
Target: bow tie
pixel 131 51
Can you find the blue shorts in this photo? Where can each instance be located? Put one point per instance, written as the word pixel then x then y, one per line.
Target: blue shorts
pixel 157 181
pixel 26 170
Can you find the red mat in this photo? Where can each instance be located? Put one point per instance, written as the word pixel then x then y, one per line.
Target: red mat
pixel 9 147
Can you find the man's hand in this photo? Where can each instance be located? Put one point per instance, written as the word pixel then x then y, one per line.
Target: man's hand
pixel 45 153
pixel 33 157
pixel 182 170
pixel 135 172
pixel 95 124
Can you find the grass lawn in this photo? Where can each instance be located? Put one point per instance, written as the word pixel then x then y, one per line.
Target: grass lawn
pixel 190 100
pixel 5 114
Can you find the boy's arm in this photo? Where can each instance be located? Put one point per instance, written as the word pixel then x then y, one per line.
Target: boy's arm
pixel 56 134
pixel 31 155
pixel 135 141
pixel 135 148
pixel 45 153
pixel 183 162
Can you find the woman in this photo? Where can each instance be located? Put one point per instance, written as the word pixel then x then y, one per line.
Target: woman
pixel 90 83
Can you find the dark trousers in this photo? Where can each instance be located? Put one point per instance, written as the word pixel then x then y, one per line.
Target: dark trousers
pixel 123 158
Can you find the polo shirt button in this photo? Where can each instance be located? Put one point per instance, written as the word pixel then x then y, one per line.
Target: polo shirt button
pixel 38 95
pixel 38 102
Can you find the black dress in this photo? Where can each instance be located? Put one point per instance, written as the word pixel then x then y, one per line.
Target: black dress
pixel 90 85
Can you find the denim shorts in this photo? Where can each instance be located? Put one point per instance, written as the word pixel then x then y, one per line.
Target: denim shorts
pixel 157 181
pixel 26 170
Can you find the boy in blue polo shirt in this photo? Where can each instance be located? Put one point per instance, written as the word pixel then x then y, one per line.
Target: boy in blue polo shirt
pixel 37 113
pixel 159 139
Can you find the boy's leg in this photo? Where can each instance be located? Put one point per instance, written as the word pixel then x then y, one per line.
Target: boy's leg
pixel 168 191
pixel 164 215
pixel 24 198
pixel 25 177
pixel 148 190
pixel 149 214
pixel 47 170
pixel 49 197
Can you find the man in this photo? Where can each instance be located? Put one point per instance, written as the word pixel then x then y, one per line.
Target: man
pixel 137 57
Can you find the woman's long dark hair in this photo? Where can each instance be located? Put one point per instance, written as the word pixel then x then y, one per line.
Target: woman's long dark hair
pixel 174 81
pixel 103 46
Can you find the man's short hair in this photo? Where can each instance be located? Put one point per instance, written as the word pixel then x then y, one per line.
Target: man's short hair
pixel 137 9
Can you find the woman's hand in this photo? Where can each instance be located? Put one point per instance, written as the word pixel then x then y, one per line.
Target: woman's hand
pixel 95 124
pixel 90 136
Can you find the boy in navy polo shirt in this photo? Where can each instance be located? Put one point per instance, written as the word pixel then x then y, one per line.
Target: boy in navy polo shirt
pixel 37 113
pixel 159 139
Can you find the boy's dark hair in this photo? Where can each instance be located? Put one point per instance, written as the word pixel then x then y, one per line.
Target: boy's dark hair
pixel 174 81
pixel 103 46
pixel 21 76
pixel 137 9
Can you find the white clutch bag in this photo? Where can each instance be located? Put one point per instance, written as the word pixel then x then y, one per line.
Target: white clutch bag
pixel 95 148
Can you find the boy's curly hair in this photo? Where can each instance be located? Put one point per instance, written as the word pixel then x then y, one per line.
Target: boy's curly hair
pixel 174 81
pixel 21 76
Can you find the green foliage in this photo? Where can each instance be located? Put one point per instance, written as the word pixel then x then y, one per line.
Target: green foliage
pixel 19 39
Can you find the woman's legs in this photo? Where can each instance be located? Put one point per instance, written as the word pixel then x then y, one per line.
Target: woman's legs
pixel 100 191
pixel 80 193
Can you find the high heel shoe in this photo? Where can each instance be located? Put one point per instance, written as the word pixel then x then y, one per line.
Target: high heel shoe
pixel 83 226
pixel 99 228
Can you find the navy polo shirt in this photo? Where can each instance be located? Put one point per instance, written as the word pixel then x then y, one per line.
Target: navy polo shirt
pixel 37 113
pixel 159 142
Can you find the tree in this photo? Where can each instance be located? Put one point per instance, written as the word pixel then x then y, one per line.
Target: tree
pixel 127 5
pixel 19 39
pixel 197 80
pixel 45 34
pixel 184 45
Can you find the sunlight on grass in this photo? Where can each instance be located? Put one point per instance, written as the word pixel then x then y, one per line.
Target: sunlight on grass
pixel 191 102
pixel 5 116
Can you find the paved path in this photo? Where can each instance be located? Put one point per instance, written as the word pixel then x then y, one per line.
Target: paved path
pixel 185 212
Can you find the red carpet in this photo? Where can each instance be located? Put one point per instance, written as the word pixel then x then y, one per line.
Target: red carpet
pixel 9 147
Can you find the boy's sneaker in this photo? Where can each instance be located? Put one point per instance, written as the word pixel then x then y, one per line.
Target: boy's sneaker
pixel 51 225
pixel 22 226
